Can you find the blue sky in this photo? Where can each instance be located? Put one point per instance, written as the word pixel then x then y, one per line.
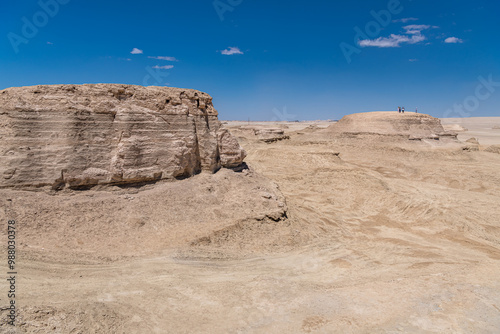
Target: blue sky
pixel 265 60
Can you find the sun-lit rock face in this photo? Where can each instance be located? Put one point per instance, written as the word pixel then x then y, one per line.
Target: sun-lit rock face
pixel 83 135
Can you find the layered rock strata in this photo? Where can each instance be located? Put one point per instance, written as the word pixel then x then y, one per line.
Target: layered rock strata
pixel 79 136
pixel 270 135
pixel 414 126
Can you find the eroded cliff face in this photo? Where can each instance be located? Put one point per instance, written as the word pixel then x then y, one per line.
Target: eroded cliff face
pixel 78 136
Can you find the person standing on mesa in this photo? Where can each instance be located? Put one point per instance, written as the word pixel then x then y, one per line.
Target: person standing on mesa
pixel 403 110
pixel 399 110
pixel 416 110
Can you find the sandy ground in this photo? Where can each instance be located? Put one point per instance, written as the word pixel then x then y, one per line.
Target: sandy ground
pixel 485 128
pixel 381 235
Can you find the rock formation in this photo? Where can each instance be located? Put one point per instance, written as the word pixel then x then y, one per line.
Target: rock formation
pixel 455 128
pixel 473 141
pixel 84 135
pixel 493 149
pixel 414 126
pixel 270 135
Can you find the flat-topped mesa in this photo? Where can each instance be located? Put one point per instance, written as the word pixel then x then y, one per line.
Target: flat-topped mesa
pixel 415 126
pixel 84 135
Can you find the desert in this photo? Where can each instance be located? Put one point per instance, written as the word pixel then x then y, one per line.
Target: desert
pixel 134 215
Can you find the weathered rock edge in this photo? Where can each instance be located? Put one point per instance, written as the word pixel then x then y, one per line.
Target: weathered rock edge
pixel 79 136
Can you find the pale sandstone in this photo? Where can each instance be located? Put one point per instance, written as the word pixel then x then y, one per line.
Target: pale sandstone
pixel 493 149
pixel 84 135
pixel 271 135
pixel 392 236
pixel 454 128
pixel 413 125
pixel 472 141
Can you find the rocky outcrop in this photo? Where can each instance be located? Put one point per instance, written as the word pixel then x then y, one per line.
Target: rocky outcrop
pixel 493 149
pixel 270 135
pixel 412 125
pixel 83 135
pixel 454 128
pixel 473 141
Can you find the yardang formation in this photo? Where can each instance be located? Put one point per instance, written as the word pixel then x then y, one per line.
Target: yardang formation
pixel 411 125
pixel 79 136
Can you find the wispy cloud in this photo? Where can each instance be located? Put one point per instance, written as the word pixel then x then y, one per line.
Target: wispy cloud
pixel 453 40
pixel 164 58
pixel 394 41
pixel 50 43
pixel 166 67
pixel 415 29
pixel 412 35
pixel 413 60
pixel 405 20
pixel 136 51
pixel 231 51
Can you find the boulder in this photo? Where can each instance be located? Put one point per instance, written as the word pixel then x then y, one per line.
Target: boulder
pixel 84 135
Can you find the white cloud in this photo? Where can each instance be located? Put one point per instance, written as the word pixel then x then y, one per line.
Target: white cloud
pixel 166 67
pixel 231 51
pixel 50 43
pixel 136 51
pixel 453 40
pixel 412 35
pixel 413 60
pixel 407 19
pixel 164 58
pixel 415 29
pixel 416 39
pixel 394 41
